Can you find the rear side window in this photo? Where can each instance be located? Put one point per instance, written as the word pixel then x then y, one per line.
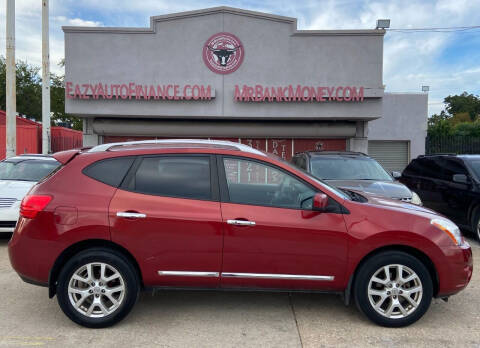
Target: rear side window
pixel 109 171
pixel 174 176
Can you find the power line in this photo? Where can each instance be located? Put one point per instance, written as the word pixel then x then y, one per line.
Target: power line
pixel 435 29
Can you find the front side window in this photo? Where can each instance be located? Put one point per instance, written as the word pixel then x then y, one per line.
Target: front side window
pixel 348 168
pixel 452 167
pixel 251 182
pixel 26 170
pixel 475 166
pixel 174 176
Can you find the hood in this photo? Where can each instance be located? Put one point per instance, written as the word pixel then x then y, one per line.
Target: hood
pixel 390 189
pixel 382 201
pixel 15 189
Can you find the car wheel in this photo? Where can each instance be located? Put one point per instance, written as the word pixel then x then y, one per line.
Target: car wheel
pixel 476 223
pixel 393 289
pixel 97 288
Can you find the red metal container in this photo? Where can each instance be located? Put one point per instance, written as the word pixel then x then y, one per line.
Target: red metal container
pixel 27 140
pixel 65 139
pixel 29 137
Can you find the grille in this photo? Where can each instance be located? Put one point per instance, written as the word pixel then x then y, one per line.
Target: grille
pixel 7 224
pixel 408 200
pixel 7 202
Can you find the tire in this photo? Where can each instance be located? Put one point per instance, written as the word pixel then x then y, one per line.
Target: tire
pixel 393 293
pixel 109 298
pixel 476 223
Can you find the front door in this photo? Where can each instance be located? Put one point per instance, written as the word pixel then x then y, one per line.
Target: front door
pixel 272 237
pixel 167 214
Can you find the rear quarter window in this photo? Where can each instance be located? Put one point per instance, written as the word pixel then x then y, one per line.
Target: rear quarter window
pixel 110 171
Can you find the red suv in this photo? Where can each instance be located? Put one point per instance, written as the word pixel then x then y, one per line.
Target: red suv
pixel 119 218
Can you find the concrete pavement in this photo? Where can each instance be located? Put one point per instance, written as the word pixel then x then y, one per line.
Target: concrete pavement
pixel 221 319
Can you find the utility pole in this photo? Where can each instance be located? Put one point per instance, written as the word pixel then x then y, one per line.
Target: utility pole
pixel 45 80
pixel 11 127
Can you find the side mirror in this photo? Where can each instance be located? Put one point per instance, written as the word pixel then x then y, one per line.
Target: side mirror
pixel 460 178
pixel 396 175
pixel 320 202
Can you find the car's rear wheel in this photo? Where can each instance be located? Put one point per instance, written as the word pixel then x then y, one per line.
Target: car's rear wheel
pixel 393 289
pixel 97 288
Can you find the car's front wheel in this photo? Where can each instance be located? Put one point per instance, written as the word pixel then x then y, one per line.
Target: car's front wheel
pixel 393 289
pixel 97 288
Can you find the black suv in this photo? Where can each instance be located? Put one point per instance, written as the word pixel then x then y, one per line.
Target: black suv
pixel 448 184
pixel 354 171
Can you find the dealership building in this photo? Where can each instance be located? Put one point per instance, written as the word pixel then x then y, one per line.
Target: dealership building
pixel 249 77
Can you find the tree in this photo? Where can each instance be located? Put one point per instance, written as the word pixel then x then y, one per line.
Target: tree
pixel 464 102
pixel 29 93
pixel 462 117
pixel 29 89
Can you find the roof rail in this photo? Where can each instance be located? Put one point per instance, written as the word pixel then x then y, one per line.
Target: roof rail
pixel 332 152
pixel 438 154
pixel 238 146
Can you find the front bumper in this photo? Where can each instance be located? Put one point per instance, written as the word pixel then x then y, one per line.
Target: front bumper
pixel 9 216
pixel 459 272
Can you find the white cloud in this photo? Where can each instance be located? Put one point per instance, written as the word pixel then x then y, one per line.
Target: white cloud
pixel 412 59
pixel 78 22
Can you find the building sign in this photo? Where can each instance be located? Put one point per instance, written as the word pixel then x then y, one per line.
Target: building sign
pixel 256 93
pixel 223 53
pixel 298 93
pixel 138 91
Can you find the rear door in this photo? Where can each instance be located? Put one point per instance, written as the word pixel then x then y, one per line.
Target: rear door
pixel 167 214
pixel 456 196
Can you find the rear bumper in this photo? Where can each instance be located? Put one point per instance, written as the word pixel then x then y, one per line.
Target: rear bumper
pixel 457 270
pixel 30 256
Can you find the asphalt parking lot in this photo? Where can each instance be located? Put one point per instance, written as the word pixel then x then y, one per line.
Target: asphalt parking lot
pixel 219 319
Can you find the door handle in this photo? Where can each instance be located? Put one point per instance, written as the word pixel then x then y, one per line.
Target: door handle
pixel 241 222
pixel 131 215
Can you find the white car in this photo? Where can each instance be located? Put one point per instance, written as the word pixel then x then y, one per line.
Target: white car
pixel 17 176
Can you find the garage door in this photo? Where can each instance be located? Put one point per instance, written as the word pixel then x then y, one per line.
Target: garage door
pixel 392 155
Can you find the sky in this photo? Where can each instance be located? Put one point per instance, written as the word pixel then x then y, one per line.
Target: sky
pixel 448 62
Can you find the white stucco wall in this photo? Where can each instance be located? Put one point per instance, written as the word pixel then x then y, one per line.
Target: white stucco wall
pixel 404 118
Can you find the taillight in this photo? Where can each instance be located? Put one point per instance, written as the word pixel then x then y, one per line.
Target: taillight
pixel 33 204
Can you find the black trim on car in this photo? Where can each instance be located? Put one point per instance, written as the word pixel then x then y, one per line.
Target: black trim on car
pixel 8 224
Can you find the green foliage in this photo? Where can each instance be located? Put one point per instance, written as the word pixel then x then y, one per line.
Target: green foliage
pixel 462 117
pixel 464 102
pixel 29 89
pixel 468 129
pixel 29 93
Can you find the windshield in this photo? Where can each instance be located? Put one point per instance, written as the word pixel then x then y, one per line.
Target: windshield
pixel 348 168
pixel 27 170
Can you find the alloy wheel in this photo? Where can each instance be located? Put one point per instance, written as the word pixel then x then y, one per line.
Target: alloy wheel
pixel 96 289
pixel 395 291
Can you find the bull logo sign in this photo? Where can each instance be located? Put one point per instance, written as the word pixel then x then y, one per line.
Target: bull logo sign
pixel 223 53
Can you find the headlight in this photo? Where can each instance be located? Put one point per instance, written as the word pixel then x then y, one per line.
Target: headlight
pixel 416 199
pixel 450 229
